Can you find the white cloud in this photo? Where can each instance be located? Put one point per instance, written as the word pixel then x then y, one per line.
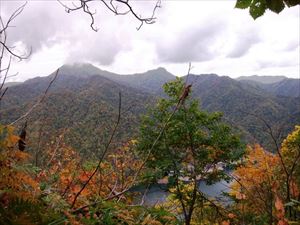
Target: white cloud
pixel 213 35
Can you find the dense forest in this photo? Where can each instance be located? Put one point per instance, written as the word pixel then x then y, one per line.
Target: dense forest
pixel 97 143
pixel 83 101
pixel 86 146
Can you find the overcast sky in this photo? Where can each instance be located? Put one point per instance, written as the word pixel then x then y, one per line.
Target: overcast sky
pixel 212 35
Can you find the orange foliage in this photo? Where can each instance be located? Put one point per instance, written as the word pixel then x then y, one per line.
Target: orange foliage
pixel 231 216
pixel 124 165
pixel 62 177
pixel 15 180
pixel 258 167
pixel 294 189
pixel 226 222
pixel 115 174
pixel 256 179
pixel 280 213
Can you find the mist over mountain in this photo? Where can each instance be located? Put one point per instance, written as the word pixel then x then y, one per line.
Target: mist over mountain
pixel 83 103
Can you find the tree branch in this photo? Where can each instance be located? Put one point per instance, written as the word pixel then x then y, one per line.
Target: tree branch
pixel 84 6
pixel 38 102
pixel 3 30
pixel 103 154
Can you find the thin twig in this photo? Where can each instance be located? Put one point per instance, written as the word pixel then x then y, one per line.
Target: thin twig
pixel 274 139
pixel 5 90
pixel 60 138
pixel 142 164
pixel 38 102
pixel 6 73
pixel 84 6
pixel 3 31
pixel 103 154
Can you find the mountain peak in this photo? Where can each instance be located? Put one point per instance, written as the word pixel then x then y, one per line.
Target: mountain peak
pixel 161 69
pixel 80 69
pixel 78 65
pixel 158 70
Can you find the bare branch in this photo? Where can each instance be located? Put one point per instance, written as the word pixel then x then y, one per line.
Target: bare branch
pixel 9 50
pixel 273 137
pixel 15 14
pixel 5 90
pixel 3 31
pixel 6 50
pixel 39 101
pixel 5 75
pixel 111 6
pixel 103 154
pixel 59 140
pixel 148 155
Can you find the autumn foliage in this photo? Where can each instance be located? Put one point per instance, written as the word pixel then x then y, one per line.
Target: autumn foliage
pixel 266 185
pixel 32 195
pixel 66 187
pixel 16 177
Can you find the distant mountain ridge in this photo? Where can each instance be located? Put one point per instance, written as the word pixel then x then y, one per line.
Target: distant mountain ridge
pixel 84 100
pixel 10 84
pixel 280 86
pixel 263 79
pixel 151 81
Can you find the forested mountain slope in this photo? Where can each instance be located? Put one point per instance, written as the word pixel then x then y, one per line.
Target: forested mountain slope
pixel 280 86
pixel 84 108
pixel 245 106
pixel 262 79
pixel 83 104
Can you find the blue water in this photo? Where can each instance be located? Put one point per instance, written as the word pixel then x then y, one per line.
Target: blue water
pixel 158 194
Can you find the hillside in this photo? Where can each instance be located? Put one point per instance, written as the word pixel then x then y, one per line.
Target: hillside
pixel 262 79
pixel 84 107
pixel 83 104
pixel 241 101
pixel 10 84
pixel 280 86
pixel 286 87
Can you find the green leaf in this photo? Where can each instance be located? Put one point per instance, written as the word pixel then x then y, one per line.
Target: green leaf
pixel 257 8
pixel 275 5
pixel 243 4
pixel 292 2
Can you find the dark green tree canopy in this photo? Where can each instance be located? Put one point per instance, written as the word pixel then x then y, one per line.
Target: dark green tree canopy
pixel 186 145
pixel 191 139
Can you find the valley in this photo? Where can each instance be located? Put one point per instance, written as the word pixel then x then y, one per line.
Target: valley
pixel 83 103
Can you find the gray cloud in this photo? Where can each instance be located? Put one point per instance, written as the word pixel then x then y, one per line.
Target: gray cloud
pixel 280 62
pixel 215 35
pixel 193 44
pixel 95 50
pixel 36 25
pixel 293 45
pixel 244 42
pixel 45 24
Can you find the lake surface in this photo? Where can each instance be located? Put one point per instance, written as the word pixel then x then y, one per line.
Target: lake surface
pixel 158 194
